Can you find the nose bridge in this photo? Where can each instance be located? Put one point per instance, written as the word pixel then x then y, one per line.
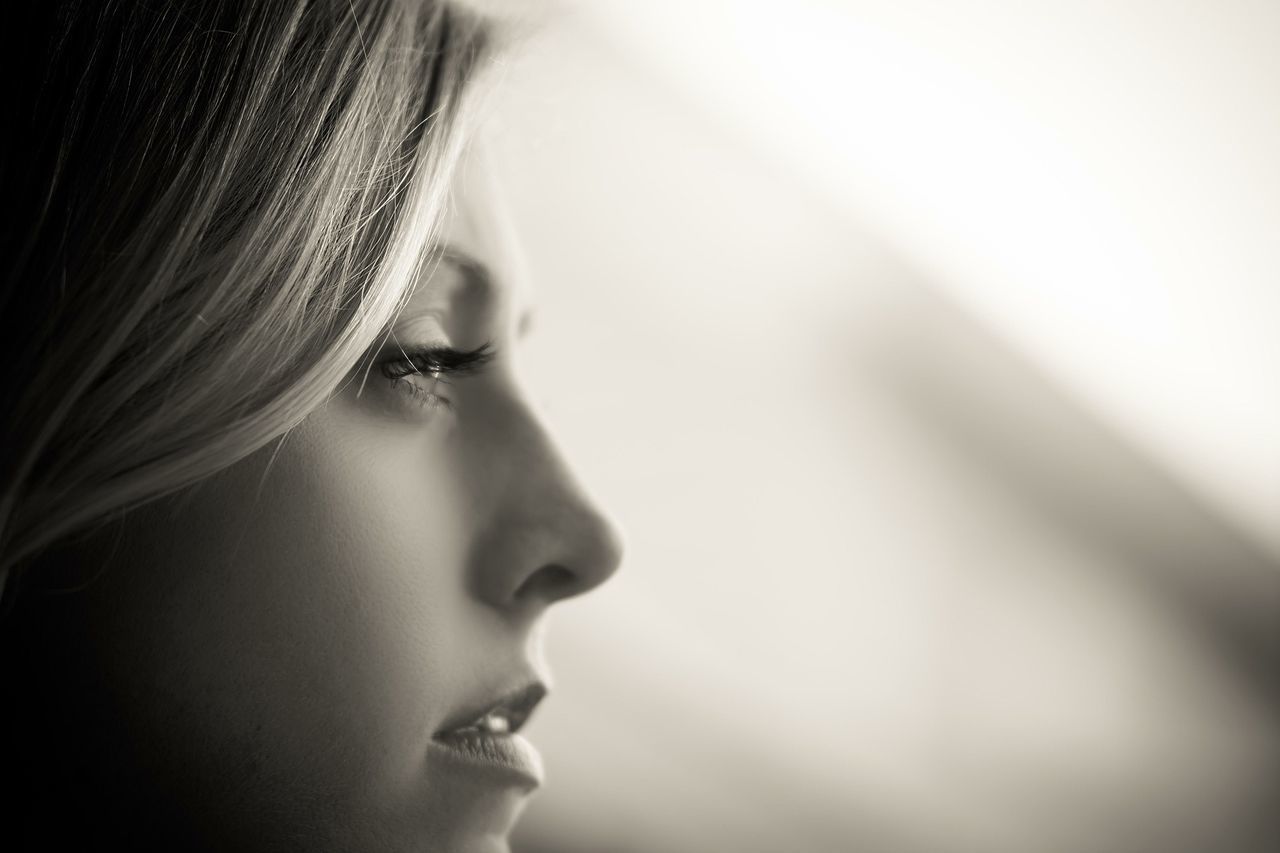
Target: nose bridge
pixel 549 539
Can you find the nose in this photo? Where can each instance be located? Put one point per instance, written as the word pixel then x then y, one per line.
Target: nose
pixel 545 539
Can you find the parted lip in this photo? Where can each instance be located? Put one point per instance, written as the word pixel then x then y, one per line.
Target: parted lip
pixel 518 705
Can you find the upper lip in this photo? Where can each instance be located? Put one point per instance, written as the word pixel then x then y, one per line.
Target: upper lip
pixel 517 705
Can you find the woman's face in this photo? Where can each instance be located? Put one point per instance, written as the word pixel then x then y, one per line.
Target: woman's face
pixel 280 644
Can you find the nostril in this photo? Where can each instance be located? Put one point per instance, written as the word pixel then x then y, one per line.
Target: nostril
pixel 549 583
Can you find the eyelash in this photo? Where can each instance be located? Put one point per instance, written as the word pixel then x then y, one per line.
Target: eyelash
pixel 440 364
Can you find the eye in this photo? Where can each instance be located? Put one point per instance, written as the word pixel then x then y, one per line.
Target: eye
pixel 420 372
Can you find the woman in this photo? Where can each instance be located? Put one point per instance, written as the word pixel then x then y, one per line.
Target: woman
pixel 279 527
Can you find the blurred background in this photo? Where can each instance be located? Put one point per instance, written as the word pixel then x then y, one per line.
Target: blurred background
pixel 928 354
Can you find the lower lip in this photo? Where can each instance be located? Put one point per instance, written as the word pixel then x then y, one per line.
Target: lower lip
pixel 508 757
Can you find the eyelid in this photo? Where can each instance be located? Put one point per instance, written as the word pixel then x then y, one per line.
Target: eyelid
pixel 406 367
pixel 437 361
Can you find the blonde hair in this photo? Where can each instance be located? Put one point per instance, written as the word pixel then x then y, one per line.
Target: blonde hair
pixel 214 208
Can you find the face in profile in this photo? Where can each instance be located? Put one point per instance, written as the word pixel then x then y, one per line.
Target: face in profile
pixel 328 645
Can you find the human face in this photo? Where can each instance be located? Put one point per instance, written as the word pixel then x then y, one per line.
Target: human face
pixel 280 644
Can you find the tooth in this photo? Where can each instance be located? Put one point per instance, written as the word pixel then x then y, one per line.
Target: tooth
pixel 497 724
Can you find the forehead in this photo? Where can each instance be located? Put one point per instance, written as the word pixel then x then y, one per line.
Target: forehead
pixel 470 222
pixel 476 261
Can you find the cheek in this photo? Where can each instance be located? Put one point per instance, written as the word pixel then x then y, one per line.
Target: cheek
pixel 292 622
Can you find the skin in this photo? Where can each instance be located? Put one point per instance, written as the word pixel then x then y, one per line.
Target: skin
pixel 265 657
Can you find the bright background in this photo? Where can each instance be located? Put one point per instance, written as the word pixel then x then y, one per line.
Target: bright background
pixel 928 353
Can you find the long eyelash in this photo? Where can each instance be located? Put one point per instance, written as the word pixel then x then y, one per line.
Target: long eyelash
pixel 438 362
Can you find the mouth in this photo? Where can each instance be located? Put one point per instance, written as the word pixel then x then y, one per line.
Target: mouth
pixel 504 714
pixel 485 737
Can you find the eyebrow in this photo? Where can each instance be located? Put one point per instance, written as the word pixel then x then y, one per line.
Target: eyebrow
pixel 477 275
